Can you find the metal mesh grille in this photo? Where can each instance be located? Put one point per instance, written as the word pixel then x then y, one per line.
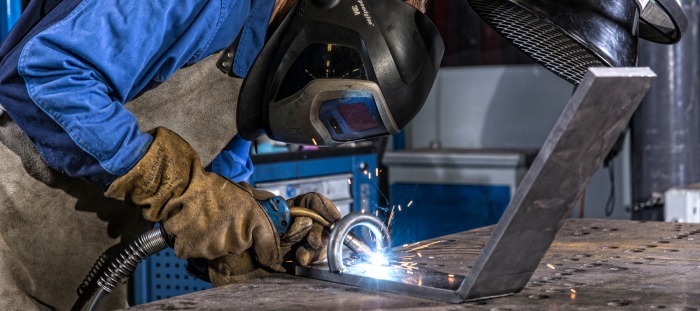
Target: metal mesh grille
pixel 538 38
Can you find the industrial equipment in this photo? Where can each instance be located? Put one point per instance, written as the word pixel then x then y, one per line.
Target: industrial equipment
pixel 682 204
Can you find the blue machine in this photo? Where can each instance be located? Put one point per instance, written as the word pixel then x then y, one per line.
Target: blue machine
pixel 349 179
pixel 438 192
pixel 11 10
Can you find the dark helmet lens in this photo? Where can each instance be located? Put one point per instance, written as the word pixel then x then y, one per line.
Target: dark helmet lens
pixel 352 118
pixel 321 61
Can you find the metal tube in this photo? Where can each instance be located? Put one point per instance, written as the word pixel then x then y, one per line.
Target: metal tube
pixel 305 212
pixel 341 230
pixel 353 242
pixel 666 127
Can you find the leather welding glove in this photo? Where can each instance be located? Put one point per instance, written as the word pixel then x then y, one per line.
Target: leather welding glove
pixel 208 215
pixel 305 240
pixel 314 243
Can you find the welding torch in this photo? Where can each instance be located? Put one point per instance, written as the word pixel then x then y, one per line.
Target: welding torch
pixel 157 239
pixel 281 214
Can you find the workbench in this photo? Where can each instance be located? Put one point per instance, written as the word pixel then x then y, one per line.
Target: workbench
pixel 592 264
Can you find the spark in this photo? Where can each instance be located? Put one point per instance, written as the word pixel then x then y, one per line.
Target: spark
pixel 409 245
pixel 409 203
pixel 314 140
pixel 419 255
pixel 376 213
pixel 376 170
pixel 450 276
pixel 551 266
pixel 349 181
pixel 399 207
pixel 424 246
pixel 362 211
pixel 573 290
pixel 390 219
pixel 431 257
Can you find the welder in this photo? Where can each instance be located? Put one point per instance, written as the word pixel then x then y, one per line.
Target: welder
pixel 80 80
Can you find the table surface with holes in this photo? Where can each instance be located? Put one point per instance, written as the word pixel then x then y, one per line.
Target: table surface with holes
pixel 592 265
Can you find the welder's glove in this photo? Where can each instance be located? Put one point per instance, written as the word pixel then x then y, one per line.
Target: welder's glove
pixel 313 247
pixel 305 240
pixel 208 215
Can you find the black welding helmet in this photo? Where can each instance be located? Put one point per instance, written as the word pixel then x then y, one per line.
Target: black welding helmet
pixel 337 71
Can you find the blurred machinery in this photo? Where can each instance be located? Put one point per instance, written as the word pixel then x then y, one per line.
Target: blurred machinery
pixel 459 189
pixel 682 204
pixel 666 128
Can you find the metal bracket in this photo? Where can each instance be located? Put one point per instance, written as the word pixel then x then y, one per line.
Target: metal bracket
pixel 591 122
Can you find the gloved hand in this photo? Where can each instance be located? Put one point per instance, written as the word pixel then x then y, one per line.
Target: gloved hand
pixel 305 240
pixel 208 215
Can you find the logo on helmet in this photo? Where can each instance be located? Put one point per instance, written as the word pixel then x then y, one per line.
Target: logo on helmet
pixel 365 13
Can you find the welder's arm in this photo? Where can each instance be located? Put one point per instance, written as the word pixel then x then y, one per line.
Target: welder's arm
pixel 78 71
pixel 208 215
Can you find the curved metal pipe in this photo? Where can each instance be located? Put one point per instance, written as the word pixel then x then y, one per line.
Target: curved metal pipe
pixel 341 230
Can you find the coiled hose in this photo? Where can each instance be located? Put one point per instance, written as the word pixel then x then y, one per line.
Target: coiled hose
pixel 121 269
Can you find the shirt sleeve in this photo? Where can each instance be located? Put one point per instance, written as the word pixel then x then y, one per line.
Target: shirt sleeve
pixel 234 161
pixel 80 71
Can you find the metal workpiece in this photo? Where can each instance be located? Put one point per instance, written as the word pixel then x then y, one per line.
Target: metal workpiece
pixel 341 231
pixel 596 115
pixel 592 265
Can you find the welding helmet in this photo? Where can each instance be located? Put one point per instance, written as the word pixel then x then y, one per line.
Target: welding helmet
pixel 337 71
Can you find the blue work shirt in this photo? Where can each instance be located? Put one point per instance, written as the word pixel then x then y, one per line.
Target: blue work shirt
pixel 67 68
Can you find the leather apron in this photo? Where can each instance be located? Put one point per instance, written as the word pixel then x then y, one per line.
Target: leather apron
pixel 57 233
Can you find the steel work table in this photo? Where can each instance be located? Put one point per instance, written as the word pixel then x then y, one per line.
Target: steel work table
pixel 592 264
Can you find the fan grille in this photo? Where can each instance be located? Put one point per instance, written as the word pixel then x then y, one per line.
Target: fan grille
pixel 538 38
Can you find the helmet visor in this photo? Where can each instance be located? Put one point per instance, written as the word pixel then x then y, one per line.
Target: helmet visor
pixel 352 118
